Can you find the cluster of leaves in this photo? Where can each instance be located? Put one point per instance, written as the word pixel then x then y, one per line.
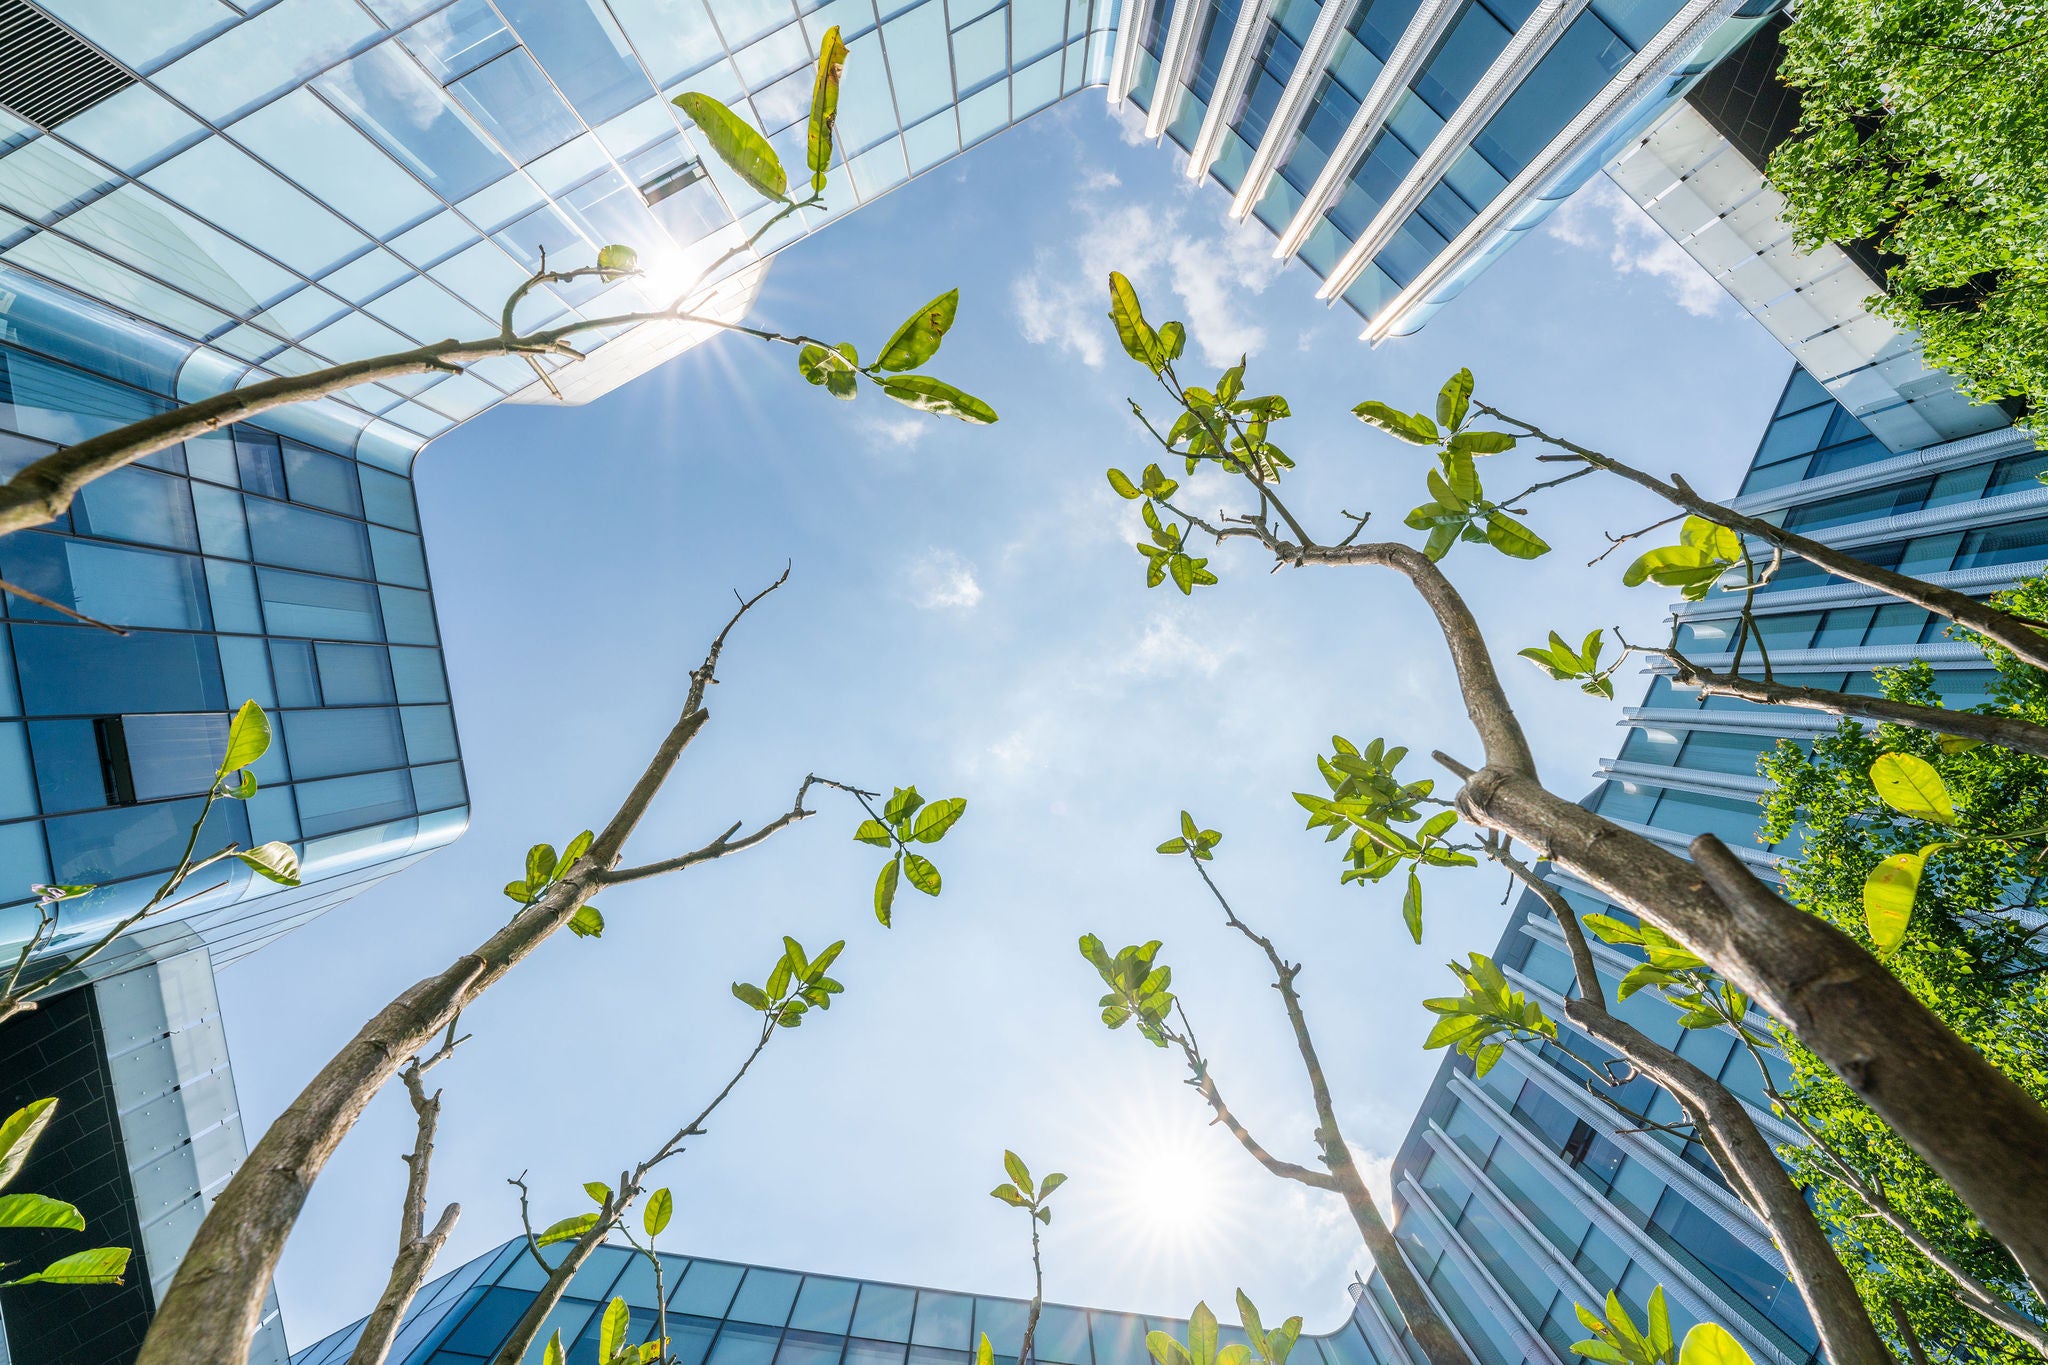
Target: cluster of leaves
pixel 661 1206
pixel 612 1346
pixel 1138 990
pixel 1562 662
pixel 1702 998
pixel 796 985
pixel 1458 508
pixel 1192 840
pixel 1489 1015
pixel 1020 1193
pixel 543 869
pixel 1203 1348
pixel 838 368
pixel 1911 786
pixel 1705 552
pixel 1222 425
pixel 1922 130
pixel 1618 1341
pixel 907 819
pixel 1166 554
pixel 1970 956
pixel 101 1265
pixel 1366 801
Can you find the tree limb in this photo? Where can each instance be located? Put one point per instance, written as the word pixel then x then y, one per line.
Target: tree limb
pixel 719 847
pixel 417 1247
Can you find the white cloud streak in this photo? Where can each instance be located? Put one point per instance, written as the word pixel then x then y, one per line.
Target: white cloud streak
pixel 941 580
pixel 1600 217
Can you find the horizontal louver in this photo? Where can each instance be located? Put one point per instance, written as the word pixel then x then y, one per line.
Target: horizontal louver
pixel 48 73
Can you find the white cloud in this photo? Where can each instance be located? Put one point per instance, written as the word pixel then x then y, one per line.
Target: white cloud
pixel 1100 180
pixel 941 578
pixel 1180 268
pixel 1166 648
pixel 892 432
pixel 1601 217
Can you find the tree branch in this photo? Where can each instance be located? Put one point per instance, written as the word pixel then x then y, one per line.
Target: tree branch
pixel 417 1247
pixel 722 845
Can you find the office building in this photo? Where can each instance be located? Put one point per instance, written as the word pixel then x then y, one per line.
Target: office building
pixel 720 1313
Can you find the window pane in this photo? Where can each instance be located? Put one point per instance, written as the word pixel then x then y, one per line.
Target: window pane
pixel 745 1343
pixel 297 538
pixel 942 1320
pixel 128 841
pixel 139 505
pixel 321 480
pixel 387 498
pixel 389 97
pixel 76 670
pixel 173 755
pixel 399 557
pixel 438 788
pixel 824 1305
pixel 765 1295
pixel 883 1312
pixel 292 662
pixel 516 105
pixel 352 802
pixel 354 675
pixel 417 673
pixel 707 1288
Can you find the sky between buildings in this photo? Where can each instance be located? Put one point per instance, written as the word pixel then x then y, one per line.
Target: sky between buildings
pixel 966 612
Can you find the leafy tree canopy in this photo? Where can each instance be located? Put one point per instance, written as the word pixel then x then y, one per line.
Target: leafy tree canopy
pixel 1923 129
pixel 1968 951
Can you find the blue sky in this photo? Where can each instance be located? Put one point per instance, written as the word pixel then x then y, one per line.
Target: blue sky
pixel 966 612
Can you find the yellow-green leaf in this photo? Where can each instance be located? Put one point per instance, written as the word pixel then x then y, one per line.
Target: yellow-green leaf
pixel 931 395
pixel 825 105
pixel 917 340
pixel 38 1211
pixel 101 1265
pixel 1512 538
pixel 660 1208
pixel 737 144
pixel 1912 787
pixel 619 258
pixel 274 860
pixel 1888 894
pixel 19 1134
pixel 1712 539
pixel 248 738
pixel 1710 1344
pixel 611 1330
pixel 1140 342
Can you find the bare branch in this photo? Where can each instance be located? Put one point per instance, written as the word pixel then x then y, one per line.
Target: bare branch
pixel 417 1247
pixel 43 601
pixel 721 846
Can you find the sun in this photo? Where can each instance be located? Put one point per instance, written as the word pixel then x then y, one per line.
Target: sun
pixel 1171 1190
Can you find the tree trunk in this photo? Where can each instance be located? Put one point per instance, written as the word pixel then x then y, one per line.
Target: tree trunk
pixel 2007 732
pixel 1440 1345
pixel 1846 1334
pixel 527 1330
pixel 211 1310
pixel 408 1273
pixel 1980 1131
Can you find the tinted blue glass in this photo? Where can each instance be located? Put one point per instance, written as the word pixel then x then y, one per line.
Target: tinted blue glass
pixel 1637 21
pixel 439 788
pixel 942 1319
pixel 257 458
pixel 1413 246
pixel 707 1289
pixel 17 776
pixel 297 538
pixel 824 1305
pixel 389 97
pixel 399 557
pixel 489 1322
pixel 1062 1336
pixel 76 670
pixel 690 1338
pixel 1802 390
pixel 319 608
pixel 221 528
pixel 68 774
pixel 351 802
pixel 1461 59
pixel 110 583
pixel 417 675
pixel 1446 211
pixel 292 663
pixel 319 479
pixel 408 616
pixel 516 105
pixel 387 498
pixel 232 588
pixel 583 51
pixel 1379 25
pixel 347 740
pixel 245 671
pixel 2009 544
pixel 765 1295
pixel 1119 1339
pixel 139 505
pixel 128 841
pixel 1378 173
pixel 354 675
pixel 883 1313
pixel 211 456
pixel 1584 59
pixel 745 1343
pixel 861 1351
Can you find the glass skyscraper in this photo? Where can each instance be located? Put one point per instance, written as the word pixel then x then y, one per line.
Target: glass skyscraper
pixel 721 1313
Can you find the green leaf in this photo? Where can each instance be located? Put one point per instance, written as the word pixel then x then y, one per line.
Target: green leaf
pixel 917 340
pixel 1710 1344
pixel 1912 787
pixel 1512 538
pixel 1173 846
pixel 873 832
pixel 274 860
pixel 1600 1351
pixel 931 395
pixel 737 144
pixel 984 1354
pixel 587 922
pixel 1411 906
pixel 1202 1334
pixel 598 1191
pixel 1009 1194
pixel 1051 1183
pixel 825 106
pixel 38 1211
pixel 620 258
pixel 938 817
pixel 611 1329
pixel 1121 482
pixel 101 1265
pixel 1482 442
pixel 1014 1167
pixel 1710 538
pixel 1888 894
pixel 19 1134
pixel 1413 428
pixel 750 995
pixel 578 846
pixel 1462 476
pixel 519 891
pixel 901 805
pixel 1140 342
pixel 568 1229
pixel 552 1354
pixel 921 873
pixel 1165 1350
pixel 885 888
pixel 1173 339
pixel 245 786
pixel 540 864
pixel 833 368
pixel 1454 400
pixel 248 738
pixel 1659 1335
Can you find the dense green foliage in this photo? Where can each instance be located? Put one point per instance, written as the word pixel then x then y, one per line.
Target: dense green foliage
pixel 1924 129
pixel 1968 953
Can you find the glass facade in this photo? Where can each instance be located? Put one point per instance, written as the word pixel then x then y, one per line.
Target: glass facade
pixel 721 1313
pixel 1520 1193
